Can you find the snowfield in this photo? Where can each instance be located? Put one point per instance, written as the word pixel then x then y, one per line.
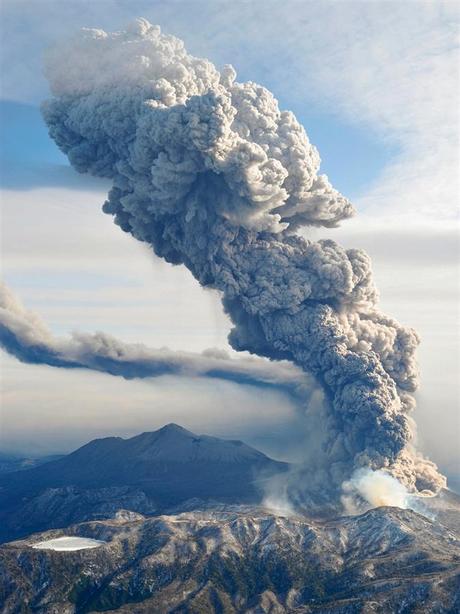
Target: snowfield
pixel 68 544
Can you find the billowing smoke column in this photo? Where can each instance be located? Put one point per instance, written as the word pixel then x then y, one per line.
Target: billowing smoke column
pixel 211 174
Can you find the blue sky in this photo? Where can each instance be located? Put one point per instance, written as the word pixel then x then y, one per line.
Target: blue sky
pixel 375 86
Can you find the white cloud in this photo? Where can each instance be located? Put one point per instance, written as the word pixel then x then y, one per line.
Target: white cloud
pixel 96 277
pixel 394 68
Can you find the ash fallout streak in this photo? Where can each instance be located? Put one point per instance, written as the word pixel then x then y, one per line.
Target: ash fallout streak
pixel 212 175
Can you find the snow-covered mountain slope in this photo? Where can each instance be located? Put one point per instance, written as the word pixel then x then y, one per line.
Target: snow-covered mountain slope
pixel 240 560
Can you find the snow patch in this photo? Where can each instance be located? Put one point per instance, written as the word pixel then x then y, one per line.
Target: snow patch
pixel 68 544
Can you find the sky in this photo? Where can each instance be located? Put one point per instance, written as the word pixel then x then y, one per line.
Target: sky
pixel 376 86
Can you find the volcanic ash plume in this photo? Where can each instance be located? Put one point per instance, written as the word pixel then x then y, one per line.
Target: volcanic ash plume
pixel 211 174
pixel 26 337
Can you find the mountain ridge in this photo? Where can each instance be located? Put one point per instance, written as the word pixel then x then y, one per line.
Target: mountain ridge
pixel 151 472
pixel 246 559
pixel 176 524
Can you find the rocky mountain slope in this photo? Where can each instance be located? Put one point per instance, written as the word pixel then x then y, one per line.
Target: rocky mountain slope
pixel 149 473
pixel 240 560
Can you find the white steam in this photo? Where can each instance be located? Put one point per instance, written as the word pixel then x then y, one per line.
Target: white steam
pixel 375 488
pixel 367 489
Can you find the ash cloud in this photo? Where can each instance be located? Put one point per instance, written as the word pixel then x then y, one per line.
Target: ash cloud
pixel 25 336
pixel 211 174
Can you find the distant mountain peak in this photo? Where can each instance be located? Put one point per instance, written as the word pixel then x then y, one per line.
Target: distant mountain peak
pixel 168 430
pixel 173 427
pixel 173 442
pixel 156 470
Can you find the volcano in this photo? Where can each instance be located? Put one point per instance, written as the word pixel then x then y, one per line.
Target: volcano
pixel 149 473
